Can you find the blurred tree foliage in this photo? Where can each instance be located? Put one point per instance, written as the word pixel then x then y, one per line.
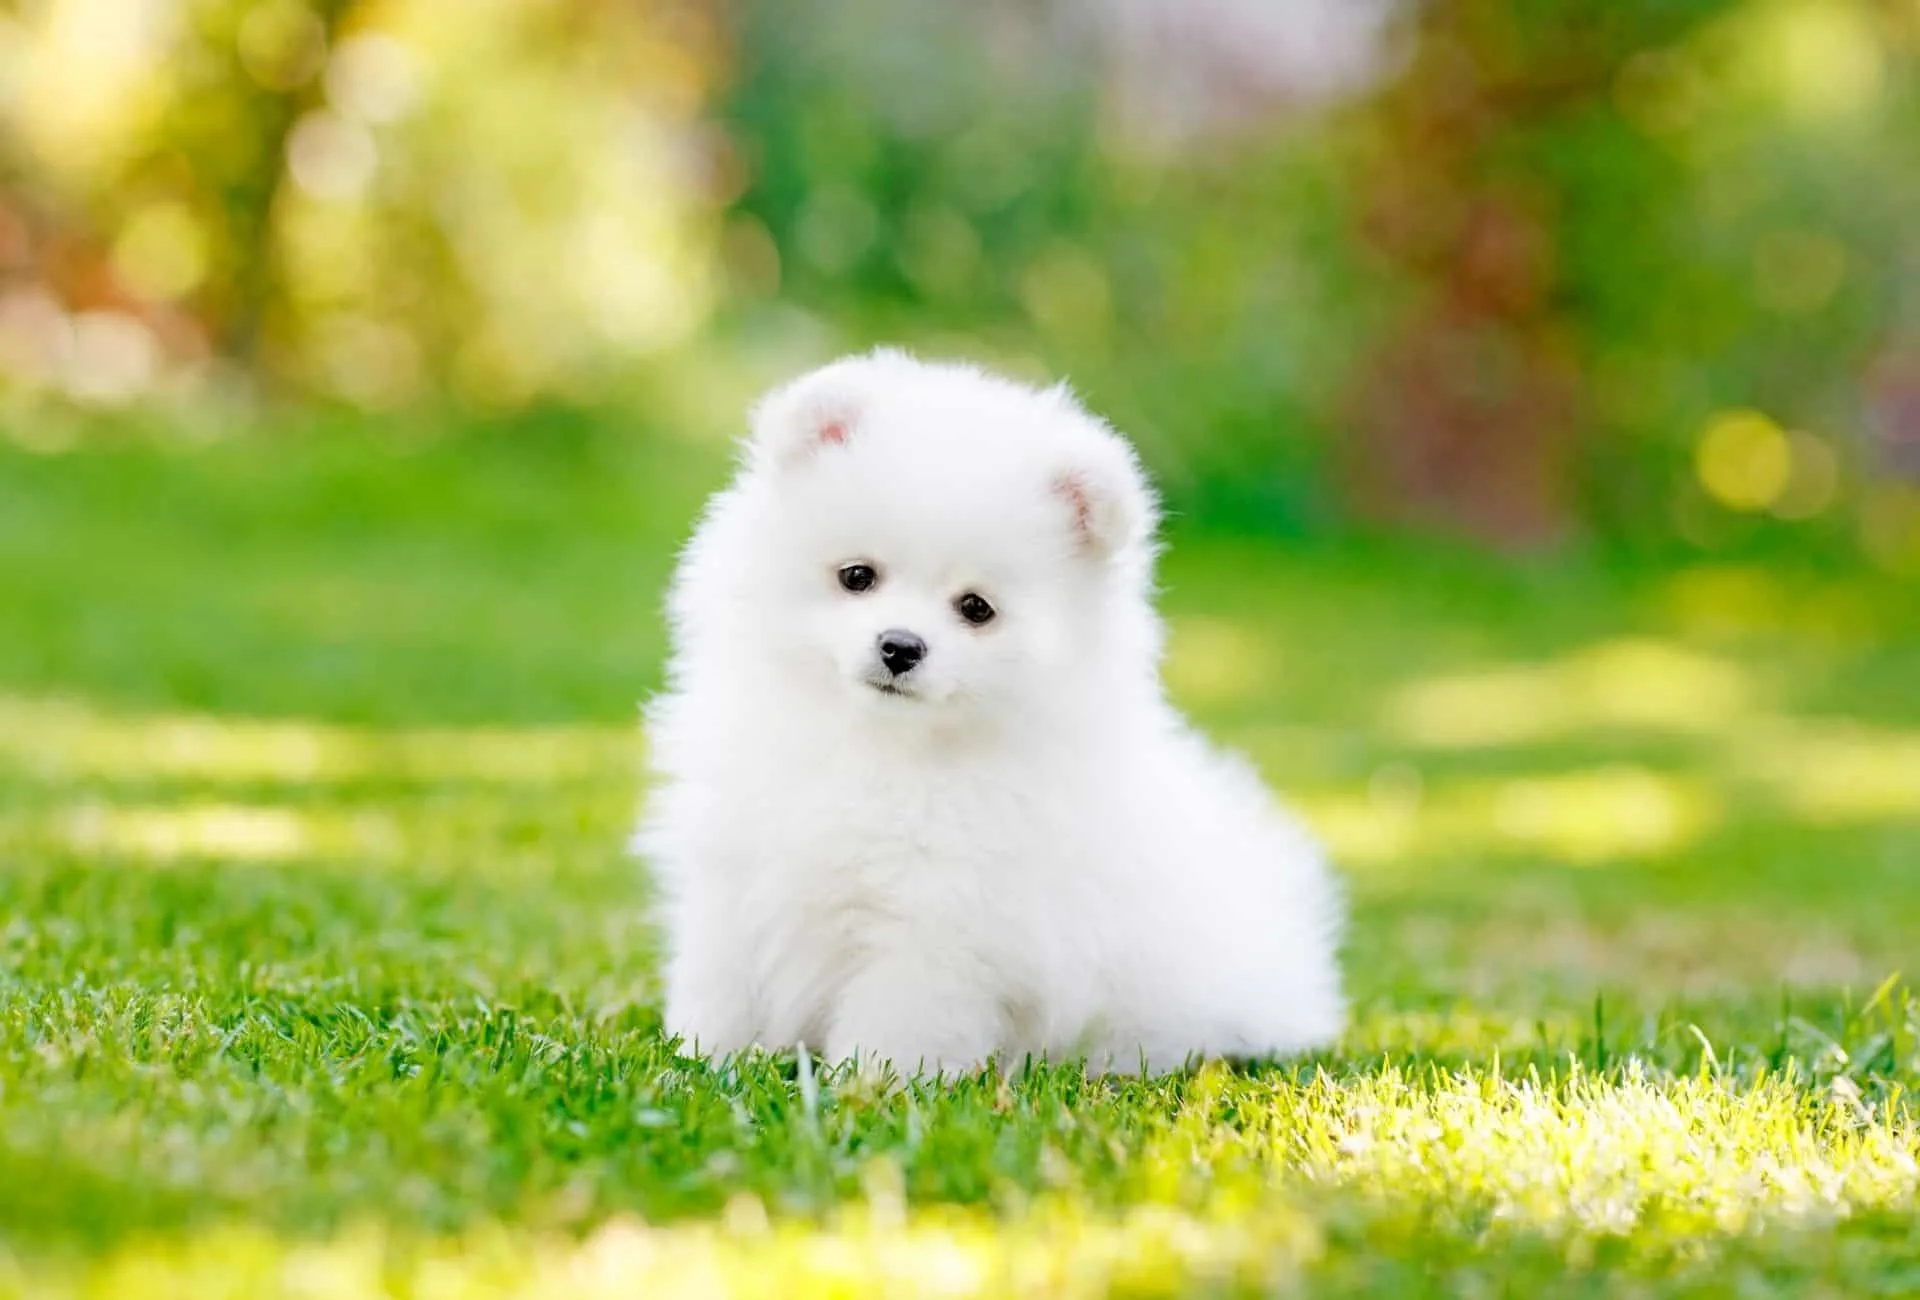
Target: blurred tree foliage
pixel 373 201
pixel 1646 270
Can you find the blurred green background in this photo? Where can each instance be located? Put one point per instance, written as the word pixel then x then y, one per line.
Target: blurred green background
pixel 1643 275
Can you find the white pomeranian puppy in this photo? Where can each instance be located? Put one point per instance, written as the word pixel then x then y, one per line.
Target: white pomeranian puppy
pixel 920 796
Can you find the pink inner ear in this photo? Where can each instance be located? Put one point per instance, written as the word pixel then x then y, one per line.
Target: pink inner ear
pixel 1074 493
pixel 833 431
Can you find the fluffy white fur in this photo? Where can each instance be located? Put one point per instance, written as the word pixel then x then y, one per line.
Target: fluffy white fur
pixel 1026 850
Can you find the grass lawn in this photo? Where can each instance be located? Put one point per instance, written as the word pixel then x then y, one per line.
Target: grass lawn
pixel 322 972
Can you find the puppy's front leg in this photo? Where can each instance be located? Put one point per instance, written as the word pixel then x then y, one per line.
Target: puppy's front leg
pixel 710 1002
pixel 922 1012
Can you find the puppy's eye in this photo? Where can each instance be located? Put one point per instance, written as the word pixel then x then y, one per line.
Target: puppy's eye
pixel 974 608
pixel 858 577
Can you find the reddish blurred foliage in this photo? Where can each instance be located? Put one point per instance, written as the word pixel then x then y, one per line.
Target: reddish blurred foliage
pixel 1893 409
pixel 1468 409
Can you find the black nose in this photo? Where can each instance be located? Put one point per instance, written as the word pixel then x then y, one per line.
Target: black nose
pixel 900 650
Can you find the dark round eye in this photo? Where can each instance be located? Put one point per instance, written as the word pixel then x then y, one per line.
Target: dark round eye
pixel 974 608
pixel 858 577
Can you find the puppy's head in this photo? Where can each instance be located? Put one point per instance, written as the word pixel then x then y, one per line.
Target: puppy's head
pixel 937 539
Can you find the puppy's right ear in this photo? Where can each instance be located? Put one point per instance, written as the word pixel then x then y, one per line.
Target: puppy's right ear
pixel 815 413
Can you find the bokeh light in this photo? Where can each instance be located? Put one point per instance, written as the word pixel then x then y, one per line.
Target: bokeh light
pixel 1745 460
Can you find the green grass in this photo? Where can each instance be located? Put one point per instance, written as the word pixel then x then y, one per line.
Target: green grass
pixel 322 972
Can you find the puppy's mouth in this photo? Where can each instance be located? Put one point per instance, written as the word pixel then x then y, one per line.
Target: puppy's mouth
pixel 899 686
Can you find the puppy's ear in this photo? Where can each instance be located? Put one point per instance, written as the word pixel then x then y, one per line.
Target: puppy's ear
pixel 818 411
pixel 1106 499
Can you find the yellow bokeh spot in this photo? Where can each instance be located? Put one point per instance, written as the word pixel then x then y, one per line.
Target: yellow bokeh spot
pixel 1826 57
pixel 85 81
pixel 1744 460
pixel 282 44
pixel 161 253
pixel 372 78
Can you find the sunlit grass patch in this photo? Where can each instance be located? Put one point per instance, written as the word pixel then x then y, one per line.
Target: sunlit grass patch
pixel 86 781
pixel 1837 771
pixel 1593 1155
pixel 1723 600
pixel 1644 684
pixel 1238 1185
pixel 1609 814
pixel 1060 1251
pixel 204 829
pixel 73 739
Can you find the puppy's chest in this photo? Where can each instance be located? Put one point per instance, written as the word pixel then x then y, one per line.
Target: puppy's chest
pixel 862 828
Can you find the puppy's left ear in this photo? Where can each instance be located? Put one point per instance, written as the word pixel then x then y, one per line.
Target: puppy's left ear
pixel 1106 498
